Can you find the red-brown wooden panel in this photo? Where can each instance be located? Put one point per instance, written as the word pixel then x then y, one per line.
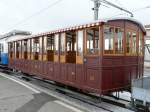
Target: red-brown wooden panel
pixel 93 78
pixel 117 77
pixel 50 69
pixel 106 79
pixel 80 75
pixel 63 72
pixel 71 73
pixel 57 71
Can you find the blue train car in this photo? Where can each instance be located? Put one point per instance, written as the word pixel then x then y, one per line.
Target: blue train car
pixel 3 55
pixel 4 59
pixel 13 35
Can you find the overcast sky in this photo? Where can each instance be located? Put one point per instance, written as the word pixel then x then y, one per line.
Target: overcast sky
pixel 34 16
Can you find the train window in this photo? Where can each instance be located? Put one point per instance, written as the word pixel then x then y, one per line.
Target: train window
pixel 80 43
pixel 1 48
pixel 71 46
pixel 108 40
pixel 128 43
pixel 131 43
pixel 35 48
pixel 18 49
pixel 28 48
pixel 50 48
pixel 134 37
pixel 45 48
pixel 24 49
pixel 140 43
pixel 62 44
pixel 40 48
pixel 118 41
pixel 62 47
pixel 56 43
pixel 11 49
pixel 92 41
pixel 79 58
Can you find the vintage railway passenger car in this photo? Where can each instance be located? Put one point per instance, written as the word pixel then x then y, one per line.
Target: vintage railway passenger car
pixel 101 57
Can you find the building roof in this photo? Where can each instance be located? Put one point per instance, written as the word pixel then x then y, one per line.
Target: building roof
pixel 15 32
pixel 147 26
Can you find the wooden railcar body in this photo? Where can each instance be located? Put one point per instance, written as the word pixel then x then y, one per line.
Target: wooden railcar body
pixel 104 70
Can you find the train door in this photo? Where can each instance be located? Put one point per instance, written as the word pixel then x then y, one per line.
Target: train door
pixel 92 57
pixel 50 56
pixel 62 47
pixel 56 57
pixel 71 56
pixel 79 59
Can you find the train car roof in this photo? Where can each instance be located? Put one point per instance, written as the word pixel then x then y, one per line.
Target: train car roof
pixel 86 25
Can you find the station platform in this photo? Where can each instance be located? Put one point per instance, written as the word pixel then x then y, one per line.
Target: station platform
pixel 17 96
pixel 141 89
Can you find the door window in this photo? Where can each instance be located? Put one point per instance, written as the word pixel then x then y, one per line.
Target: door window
pixel 92 41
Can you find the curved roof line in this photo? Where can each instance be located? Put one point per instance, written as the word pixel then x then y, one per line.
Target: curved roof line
pixel 87 25
pixel 128 19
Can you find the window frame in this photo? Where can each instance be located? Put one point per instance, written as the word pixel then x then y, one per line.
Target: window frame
pixel 85 42
pixel 114 41
pixel 131 44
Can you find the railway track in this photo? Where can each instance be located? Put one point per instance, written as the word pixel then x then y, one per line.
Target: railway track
pixel 83 97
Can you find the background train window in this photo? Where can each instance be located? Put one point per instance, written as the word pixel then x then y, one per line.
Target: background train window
pixel 24 49
pixel 18 49
pixel 108 40
pixel 35 48
pixel 140 43
pixel 118 41
pixel 71 46
pixel 50 48
pixel 1 48
pixel 92 42
pixel 56 48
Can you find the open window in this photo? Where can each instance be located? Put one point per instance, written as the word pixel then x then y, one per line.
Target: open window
pixel 119 40
pixel 11 49
pixel 29 48
pixel 92 41
pixel 62 48
pixel 131 43
pixel 79 57
pixel 18 49
pixel 108 40
pixel 24 49
pixel 40 48
pixel 35 48
pixel 141 43
pixel 71 46
pixel 56 48
pixel 50 48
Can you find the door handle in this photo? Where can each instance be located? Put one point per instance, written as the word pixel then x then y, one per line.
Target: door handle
pixel 85 60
